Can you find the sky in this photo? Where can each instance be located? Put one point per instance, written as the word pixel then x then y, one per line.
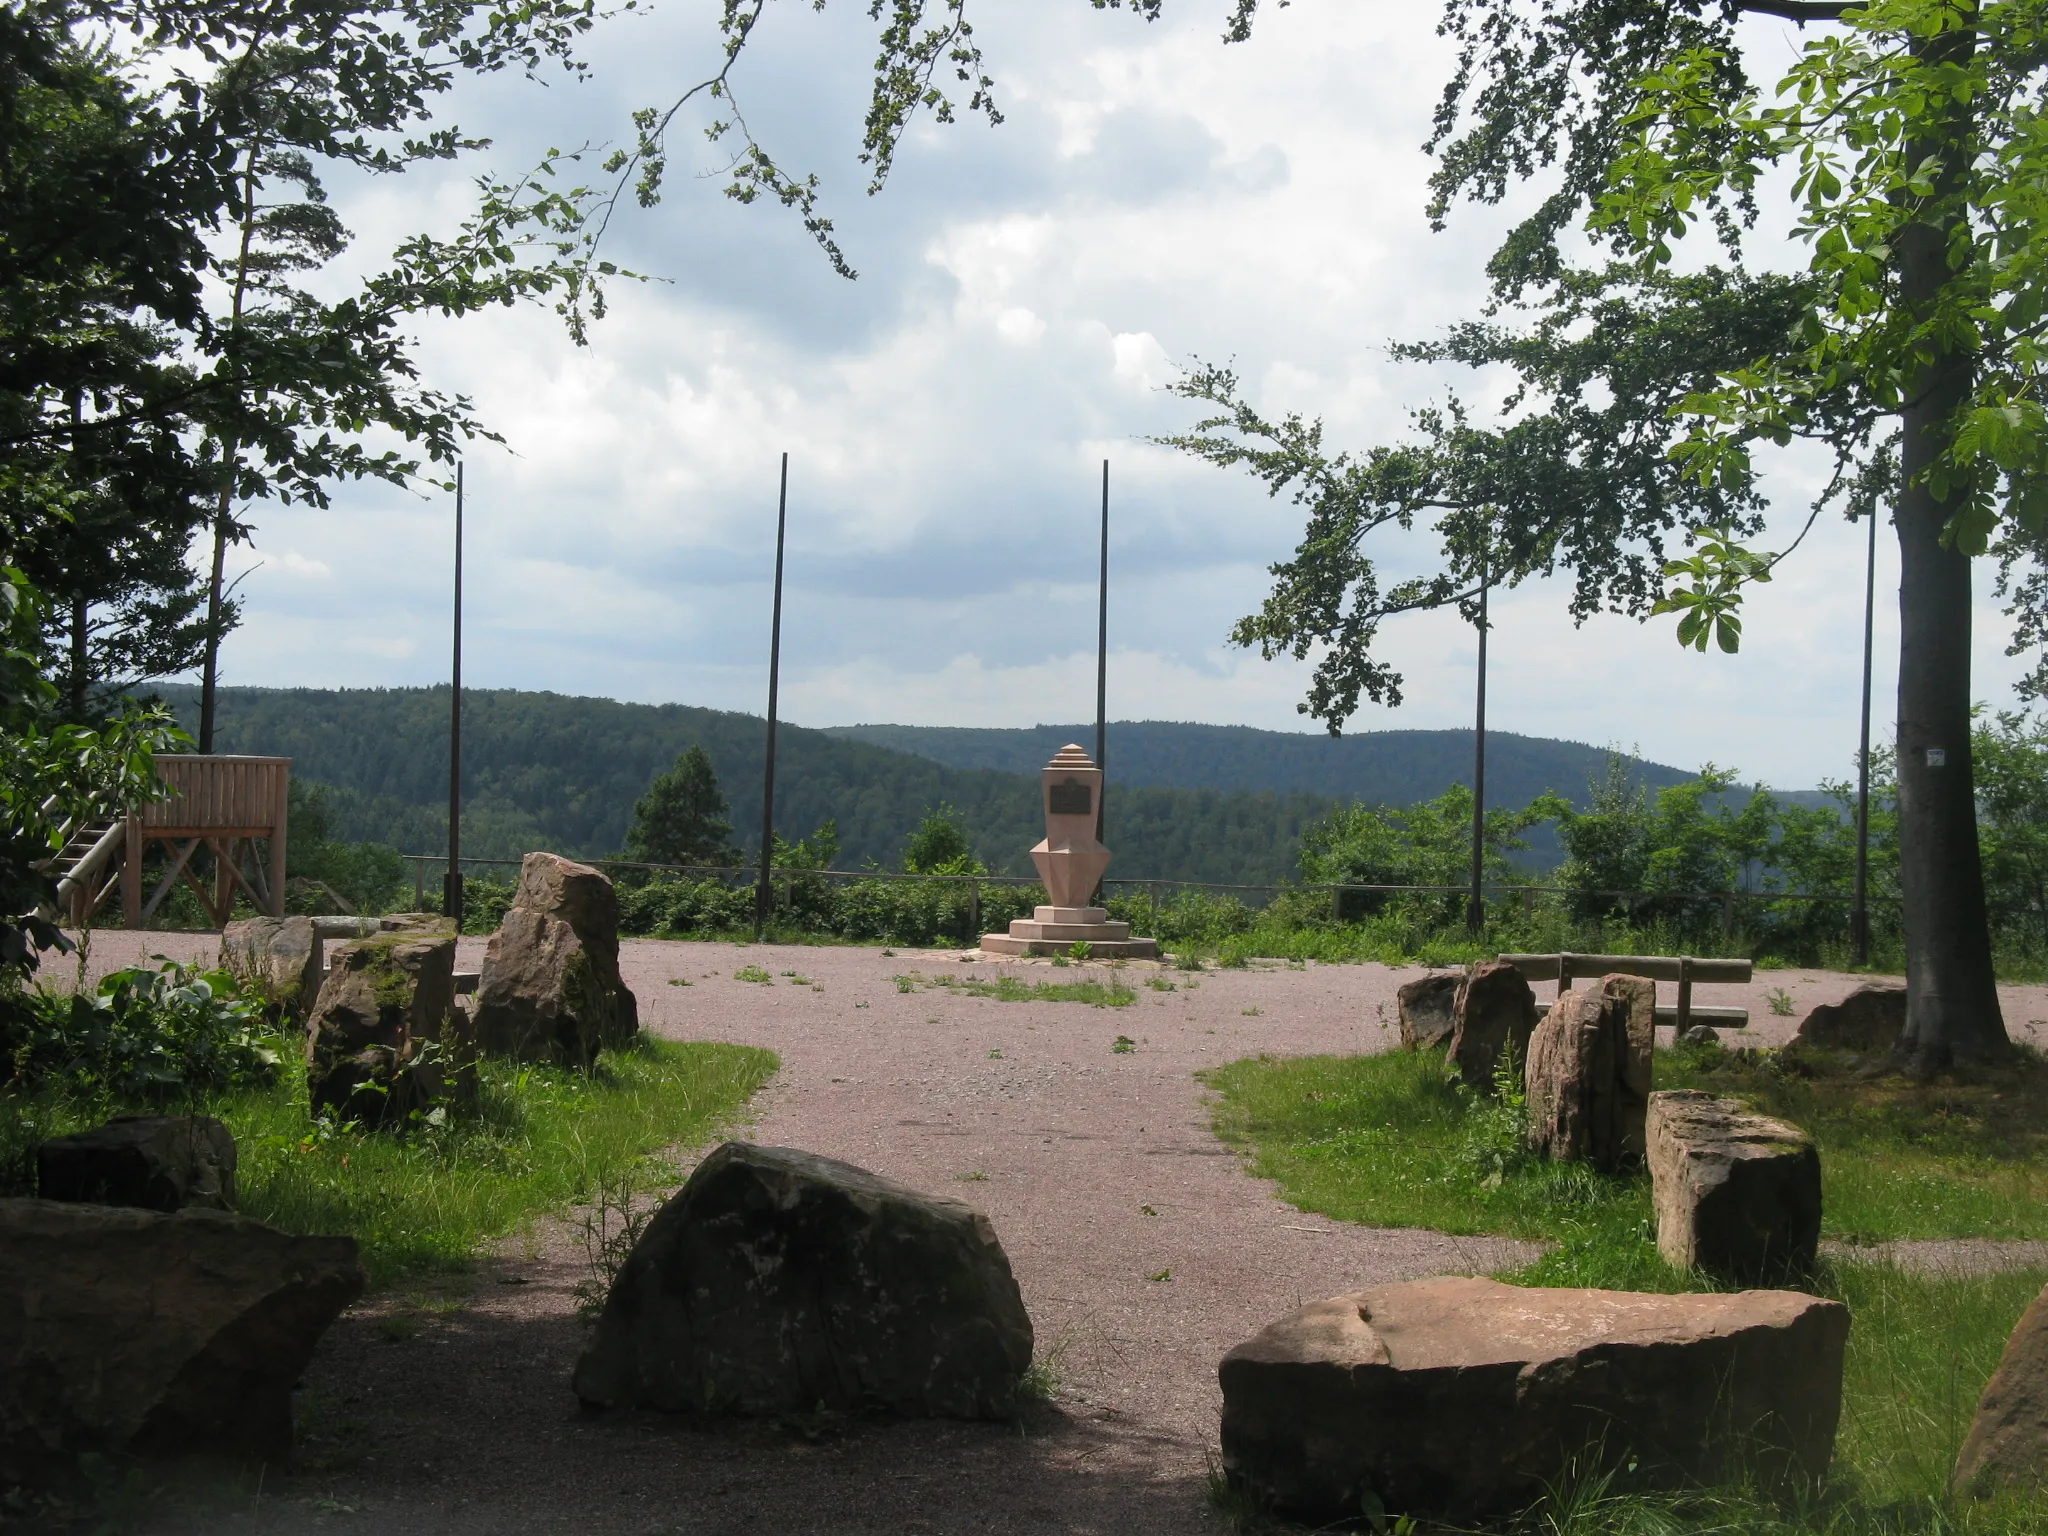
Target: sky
pixel 1026 291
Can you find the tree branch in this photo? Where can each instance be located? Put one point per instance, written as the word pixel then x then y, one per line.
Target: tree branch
pixel 1795 10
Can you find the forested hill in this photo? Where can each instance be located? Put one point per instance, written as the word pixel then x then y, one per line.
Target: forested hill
pixel 545 770
pixel 1386 767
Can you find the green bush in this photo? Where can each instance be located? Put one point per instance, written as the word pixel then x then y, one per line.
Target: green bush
pixel 485 901
pixel 144 1035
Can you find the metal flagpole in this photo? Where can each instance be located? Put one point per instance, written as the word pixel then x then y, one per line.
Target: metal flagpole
pixel 764 895
pixel 1475 911
pixel 1102 660
pixel 451 893
pixel 1859 916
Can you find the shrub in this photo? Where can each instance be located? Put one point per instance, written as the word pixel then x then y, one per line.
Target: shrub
pixel 485 901
pixel 142 1034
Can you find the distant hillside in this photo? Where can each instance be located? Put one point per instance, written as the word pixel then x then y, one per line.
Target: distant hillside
pixel 545 770
pixel 1387 767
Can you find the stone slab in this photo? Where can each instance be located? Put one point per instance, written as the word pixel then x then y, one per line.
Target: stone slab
pixel 1068 933
pixel 1466 1400
pixel 1107 949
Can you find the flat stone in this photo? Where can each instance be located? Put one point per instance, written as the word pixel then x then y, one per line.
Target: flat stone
pixel 1104 949
pixel 1496 1011
pixel 156 1162
pixel 2007 1446
pixel 1070 933
pixel 125 1331
pixel 1465 1399
pixel 779 1282
pixel 1737 1194
pixel 1868 1020
pixel 1429 1011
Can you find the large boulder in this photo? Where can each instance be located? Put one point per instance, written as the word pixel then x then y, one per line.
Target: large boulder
pixel 380 1043
pixel 1870 1019
pixel 277 958
pixel 126 1331
pixel 550 988
pixel 778 1282
pixel 1495 1012
pixel 1464 1400
pixel 157 1162
pixel 1429 1011
pixel 1589 1073
pixel 1737 1193
pixel 2007 1446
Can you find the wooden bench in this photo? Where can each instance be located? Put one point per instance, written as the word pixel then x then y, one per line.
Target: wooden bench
pixel 1685 970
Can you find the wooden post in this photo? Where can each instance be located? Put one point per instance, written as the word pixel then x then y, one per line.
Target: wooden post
pixel 973 908
pixel 131 874
pixel 1684 992
pixel 1564 974
pixel 278 835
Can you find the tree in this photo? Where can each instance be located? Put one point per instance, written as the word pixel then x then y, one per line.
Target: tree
pixel 1908 345
pixel 101 221
pixel 681 818
pixel 1425 844
pixel 54 777
pixel 940 846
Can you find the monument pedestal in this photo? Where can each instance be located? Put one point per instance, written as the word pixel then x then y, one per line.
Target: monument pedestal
pixel 1070 862
pixel 1055 930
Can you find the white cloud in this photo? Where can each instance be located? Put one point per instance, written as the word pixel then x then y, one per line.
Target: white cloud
pixel 1026 292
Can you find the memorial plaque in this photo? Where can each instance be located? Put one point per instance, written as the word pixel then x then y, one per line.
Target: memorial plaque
pixel 1072 798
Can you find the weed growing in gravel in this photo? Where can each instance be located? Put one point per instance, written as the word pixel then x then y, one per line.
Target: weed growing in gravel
pixel 1160 984
pixel 1010 989
pixel 1123 1045
pixel 609 1227
pixel 1780 1001
pixel 755 974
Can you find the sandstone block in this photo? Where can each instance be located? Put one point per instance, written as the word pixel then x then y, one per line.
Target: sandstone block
pixel 2007 1446
pixel 127 1331
pixel 157 1162
pixel 550 988
pixel 1589 1072
pixel 385 1001
pixel 779 1282
pixel 1737 1193
pixel 1429 1011
pixel 1463 1399
pixel 1870 1019
pixel 279 958
pixel 1495 1011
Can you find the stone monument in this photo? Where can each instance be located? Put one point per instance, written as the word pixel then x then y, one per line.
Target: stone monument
pixel 1070 862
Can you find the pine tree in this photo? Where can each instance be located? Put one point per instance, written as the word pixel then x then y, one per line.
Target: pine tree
pixel 681 818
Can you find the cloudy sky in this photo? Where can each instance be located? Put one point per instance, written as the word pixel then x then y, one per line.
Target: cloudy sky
pixel 1025 291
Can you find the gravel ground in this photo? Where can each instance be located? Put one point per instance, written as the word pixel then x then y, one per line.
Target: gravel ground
pixel 1143 1250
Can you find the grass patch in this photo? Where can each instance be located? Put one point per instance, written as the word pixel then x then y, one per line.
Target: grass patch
pixel 1010 989
pixel 543 1139
pixel 1388 1140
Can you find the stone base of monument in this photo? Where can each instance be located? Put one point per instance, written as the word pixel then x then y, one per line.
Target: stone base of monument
pixel 1056 930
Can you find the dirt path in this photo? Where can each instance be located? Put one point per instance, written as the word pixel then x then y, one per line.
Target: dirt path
pixel 1143 1250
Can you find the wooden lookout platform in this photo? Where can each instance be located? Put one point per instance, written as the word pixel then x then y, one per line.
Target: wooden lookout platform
pixel 232 807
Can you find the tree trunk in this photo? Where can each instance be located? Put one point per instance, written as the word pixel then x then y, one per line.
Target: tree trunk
pixel 209 676
pixel 81 614
pixel 1952 1010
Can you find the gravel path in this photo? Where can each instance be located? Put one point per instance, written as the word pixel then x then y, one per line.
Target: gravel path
pixel 1143 1250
